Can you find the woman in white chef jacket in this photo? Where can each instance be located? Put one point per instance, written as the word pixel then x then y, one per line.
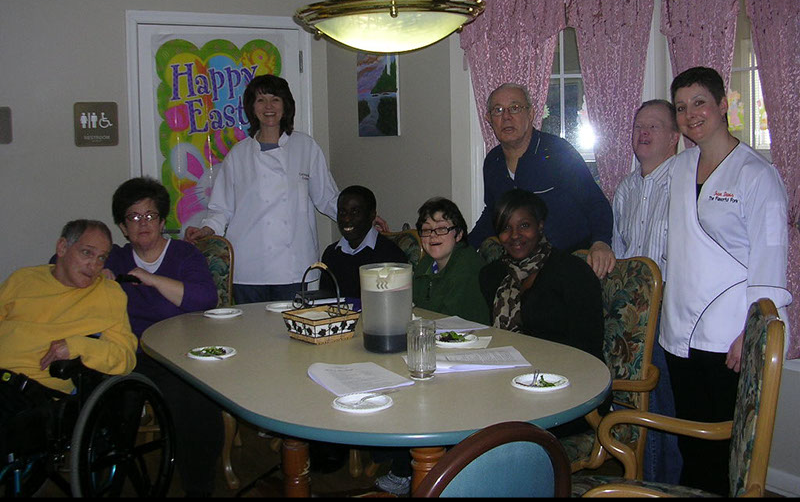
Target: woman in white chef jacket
pixel 727 247
pixel 265 195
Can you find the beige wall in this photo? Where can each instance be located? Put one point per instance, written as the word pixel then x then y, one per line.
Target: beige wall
pixel 56 53
pixel 403 170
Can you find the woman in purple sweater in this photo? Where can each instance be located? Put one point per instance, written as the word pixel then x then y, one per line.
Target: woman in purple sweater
pixel 164 278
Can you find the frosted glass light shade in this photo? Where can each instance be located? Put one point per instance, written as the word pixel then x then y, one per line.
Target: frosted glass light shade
pixel 388 26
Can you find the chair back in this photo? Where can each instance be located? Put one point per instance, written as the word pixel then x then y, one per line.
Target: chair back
pixel 631 301
pixel 509 459
pixel 219 255
pixel 409 241
pixel 491 249
pixel 756 400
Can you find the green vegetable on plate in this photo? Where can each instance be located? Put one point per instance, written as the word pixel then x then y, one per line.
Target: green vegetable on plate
pixel 210 351
pixel 451 336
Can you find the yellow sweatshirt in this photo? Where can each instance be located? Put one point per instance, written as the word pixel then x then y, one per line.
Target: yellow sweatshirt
pixel 36 309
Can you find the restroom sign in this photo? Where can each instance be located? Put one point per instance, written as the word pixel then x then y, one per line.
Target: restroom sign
pixel 96 124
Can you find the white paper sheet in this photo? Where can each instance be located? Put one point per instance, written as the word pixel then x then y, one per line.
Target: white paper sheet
pixel 342 379
pixel 455 323
pixel 478 360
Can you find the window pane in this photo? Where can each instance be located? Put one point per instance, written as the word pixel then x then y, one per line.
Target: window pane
pixel 577 131
pixel 571 63
pixel 556 65
pixel 739 109
pixel 761 139
pixel 551 122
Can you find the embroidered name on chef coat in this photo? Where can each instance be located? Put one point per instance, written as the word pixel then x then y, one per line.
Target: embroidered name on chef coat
pixel 723 196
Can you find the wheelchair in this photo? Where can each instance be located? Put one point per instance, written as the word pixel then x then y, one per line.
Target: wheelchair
pixel 114 436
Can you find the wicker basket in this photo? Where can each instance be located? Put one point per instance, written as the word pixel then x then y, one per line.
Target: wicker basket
pixel 321 324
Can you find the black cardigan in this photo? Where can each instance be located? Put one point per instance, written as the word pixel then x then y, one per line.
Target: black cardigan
pixel 564 304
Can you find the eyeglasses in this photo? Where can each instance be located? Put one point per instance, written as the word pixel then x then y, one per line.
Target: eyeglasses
pixel 513 109
pixel 426 232
pixel 138 217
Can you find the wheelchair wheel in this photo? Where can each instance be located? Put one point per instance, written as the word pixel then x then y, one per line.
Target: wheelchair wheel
pixel 109 457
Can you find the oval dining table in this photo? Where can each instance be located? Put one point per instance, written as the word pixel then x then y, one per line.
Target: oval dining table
pixel 266 384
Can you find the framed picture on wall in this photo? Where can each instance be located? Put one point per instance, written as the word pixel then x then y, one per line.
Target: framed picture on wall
pixel 378 97
pixel 187 75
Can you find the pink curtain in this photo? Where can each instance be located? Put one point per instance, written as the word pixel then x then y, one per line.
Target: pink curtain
pixel 776 35
pixel 512 41
pixel 700 33
pixel 612 44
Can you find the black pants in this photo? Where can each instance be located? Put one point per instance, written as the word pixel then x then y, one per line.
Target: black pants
pixel 27 415
pixel 198 427
pixel 705 390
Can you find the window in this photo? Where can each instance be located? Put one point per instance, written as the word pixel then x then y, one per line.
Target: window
pixel 565 112
pixel 747 117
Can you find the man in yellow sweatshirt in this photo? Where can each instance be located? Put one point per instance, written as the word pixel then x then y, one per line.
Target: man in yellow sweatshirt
pixel 64 311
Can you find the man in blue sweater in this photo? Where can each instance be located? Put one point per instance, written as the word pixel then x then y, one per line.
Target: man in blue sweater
pixel 580 216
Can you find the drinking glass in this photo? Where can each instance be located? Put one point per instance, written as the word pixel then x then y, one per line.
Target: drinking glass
pixel 421 343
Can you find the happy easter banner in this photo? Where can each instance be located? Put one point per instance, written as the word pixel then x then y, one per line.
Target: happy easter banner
pixel 199 106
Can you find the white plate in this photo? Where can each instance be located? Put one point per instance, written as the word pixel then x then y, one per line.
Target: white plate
pixel 559 381
pixel 347 403
pixel 195 353
pixel 222 313
pixel 469 339
pixel 280 307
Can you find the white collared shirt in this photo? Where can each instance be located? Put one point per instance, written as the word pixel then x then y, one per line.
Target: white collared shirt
pixel 640 215
pixel 263 202
pixel 368 242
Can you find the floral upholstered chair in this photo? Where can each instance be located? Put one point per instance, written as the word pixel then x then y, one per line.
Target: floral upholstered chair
pixel 631 301
pixel 491 249
pixel 219 255
pixel 750 431
pixel 409 241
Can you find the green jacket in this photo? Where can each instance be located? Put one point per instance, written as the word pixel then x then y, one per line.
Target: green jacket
pixel 454 290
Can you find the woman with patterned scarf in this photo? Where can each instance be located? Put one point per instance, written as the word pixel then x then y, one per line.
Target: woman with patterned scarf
pixel 539 290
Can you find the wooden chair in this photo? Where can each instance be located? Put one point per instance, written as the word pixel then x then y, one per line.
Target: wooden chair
pixel 631 301
pixel 409 241
pixel 219 255
pixel 750 431
pixel 509 459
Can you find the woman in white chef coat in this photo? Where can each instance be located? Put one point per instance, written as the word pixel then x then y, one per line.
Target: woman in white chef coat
pixel 265 196
pixel 727 247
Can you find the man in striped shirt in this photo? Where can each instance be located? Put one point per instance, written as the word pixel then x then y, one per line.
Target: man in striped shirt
pixel 641 200
pixel 640 229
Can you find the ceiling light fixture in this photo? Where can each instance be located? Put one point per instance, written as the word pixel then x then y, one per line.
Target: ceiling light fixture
pixel 388 26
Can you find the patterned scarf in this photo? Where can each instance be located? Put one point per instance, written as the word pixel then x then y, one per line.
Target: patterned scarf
pixel 506 309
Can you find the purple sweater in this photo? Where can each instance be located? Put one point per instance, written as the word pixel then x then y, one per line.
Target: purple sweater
pixel 183 262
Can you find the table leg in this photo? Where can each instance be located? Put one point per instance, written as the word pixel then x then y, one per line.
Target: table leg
pixel 422 461
pixel 296 467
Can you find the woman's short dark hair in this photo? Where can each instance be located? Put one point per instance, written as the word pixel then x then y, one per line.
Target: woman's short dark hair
pixel 518 199
pixel 269 84
pixel 707 77
pixel 136 189
pixel 449 211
